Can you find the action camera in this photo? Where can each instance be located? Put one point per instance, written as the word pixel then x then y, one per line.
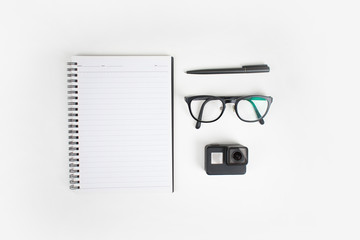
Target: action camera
pixel 225 159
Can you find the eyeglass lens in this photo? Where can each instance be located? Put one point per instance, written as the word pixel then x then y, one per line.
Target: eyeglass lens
pixel 206 109
pixel 252 108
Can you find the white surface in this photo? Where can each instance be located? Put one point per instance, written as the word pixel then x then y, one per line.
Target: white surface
pixel 124 113
pixel 303 172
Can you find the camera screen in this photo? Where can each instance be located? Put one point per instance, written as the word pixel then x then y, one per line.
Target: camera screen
pixel 217 158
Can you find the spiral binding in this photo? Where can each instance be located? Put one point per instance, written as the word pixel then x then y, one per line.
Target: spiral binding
pixel 73 126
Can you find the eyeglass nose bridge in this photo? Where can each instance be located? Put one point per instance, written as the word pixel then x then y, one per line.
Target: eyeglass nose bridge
pixel 229 99
pixel 223 107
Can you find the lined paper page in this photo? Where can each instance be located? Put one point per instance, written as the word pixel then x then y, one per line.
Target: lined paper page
pixel 125 122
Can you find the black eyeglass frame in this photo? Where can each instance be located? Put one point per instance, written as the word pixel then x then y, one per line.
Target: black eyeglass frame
pixel 224 100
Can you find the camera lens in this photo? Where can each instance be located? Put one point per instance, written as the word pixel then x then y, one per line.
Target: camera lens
pixel 237 156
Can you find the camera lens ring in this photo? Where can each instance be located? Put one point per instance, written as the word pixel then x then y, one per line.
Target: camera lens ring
pixel 237 156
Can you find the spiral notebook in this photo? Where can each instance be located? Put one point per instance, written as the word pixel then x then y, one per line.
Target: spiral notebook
pixel 121 122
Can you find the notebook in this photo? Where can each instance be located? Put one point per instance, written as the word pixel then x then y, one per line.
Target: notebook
pixel 120 111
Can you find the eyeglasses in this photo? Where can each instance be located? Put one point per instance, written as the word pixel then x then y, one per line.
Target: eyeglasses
pixel 206 109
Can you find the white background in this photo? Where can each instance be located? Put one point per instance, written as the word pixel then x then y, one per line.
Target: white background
pixel 303 173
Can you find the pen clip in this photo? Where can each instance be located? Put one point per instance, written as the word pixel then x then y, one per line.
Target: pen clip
pixel 256 66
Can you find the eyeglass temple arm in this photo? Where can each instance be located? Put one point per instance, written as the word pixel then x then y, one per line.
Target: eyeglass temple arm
pixel 261 121
pixel 198 123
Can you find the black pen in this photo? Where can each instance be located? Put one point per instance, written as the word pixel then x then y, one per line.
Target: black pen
pixel 244 69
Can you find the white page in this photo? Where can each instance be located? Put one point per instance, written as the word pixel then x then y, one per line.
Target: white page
pixel 125 122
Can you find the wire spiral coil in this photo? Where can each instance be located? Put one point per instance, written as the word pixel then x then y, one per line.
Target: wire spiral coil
pixel 73 119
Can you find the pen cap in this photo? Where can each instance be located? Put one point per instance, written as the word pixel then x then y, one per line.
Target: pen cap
pixel 257 68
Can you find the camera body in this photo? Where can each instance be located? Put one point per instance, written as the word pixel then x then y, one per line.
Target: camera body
pixel 225 159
